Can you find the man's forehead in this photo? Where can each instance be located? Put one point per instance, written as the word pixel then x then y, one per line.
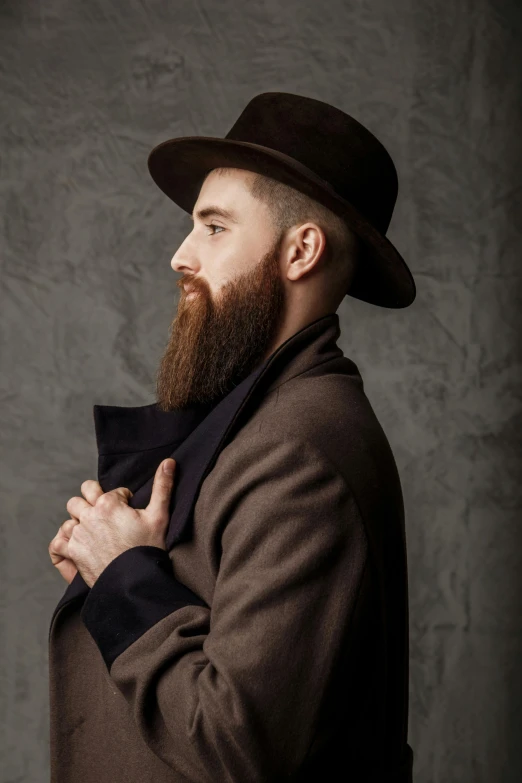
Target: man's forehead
pixel 224 194
pixel 218 204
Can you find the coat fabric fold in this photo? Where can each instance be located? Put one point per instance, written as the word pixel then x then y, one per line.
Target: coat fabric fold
pixel 269 642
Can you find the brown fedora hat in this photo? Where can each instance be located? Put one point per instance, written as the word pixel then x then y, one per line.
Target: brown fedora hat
pixel 316 149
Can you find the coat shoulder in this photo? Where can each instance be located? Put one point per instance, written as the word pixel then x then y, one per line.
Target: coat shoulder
pixel 333 418
pixel 332 413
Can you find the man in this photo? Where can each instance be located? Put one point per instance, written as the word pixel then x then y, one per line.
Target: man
pixel 245 618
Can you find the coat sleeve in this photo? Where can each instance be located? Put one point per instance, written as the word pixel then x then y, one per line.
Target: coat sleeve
pixel 233 692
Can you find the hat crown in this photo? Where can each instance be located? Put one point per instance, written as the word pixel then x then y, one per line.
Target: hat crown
pixel 349 160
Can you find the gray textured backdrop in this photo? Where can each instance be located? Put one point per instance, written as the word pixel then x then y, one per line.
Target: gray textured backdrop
pixel 86 90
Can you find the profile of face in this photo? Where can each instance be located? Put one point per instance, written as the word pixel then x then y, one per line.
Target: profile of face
pixel 233 309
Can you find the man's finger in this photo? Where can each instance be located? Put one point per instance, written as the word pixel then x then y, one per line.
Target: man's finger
pixel 59 551
pixel 76 505
pixel 59 547
pixel 67 527
pixel 91 491
pixel 162 489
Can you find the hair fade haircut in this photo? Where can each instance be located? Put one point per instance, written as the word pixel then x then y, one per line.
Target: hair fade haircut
pixel 289 207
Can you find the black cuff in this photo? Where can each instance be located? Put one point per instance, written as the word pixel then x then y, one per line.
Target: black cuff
pixel 134 592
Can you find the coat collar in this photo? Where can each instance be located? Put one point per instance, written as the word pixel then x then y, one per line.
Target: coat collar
pixel 132 441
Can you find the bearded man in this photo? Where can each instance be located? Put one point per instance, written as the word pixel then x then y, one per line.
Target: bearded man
pixel 244 617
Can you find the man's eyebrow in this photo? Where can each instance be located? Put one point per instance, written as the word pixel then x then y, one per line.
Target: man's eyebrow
pixel 212 210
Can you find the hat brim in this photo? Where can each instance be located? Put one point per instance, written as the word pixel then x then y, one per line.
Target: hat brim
pixel 179 166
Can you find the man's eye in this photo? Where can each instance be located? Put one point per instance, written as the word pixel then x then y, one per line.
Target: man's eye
pixel 213 225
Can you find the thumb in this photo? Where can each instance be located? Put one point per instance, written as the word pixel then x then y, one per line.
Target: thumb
pixel 162 488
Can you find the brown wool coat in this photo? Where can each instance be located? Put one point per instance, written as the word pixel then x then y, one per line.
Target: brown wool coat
pixel 270 641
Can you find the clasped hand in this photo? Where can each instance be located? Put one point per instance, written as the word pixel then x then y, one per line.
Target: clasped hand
pixel 104 526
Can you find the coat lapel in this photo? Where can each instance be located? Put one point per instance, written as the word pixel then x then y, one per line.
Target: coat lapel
pixel 132 441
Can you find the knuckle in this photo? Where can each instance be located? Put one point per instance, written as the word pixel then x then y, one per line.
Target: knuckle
pixel 55 545
pixel 104 500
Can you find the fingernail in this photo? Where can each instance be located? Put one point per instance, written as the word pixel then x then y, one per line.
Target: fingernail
pixel 168 467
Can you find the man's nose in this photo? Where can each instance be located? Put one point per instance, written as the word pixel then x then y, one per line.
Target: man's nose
pixel 184 259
